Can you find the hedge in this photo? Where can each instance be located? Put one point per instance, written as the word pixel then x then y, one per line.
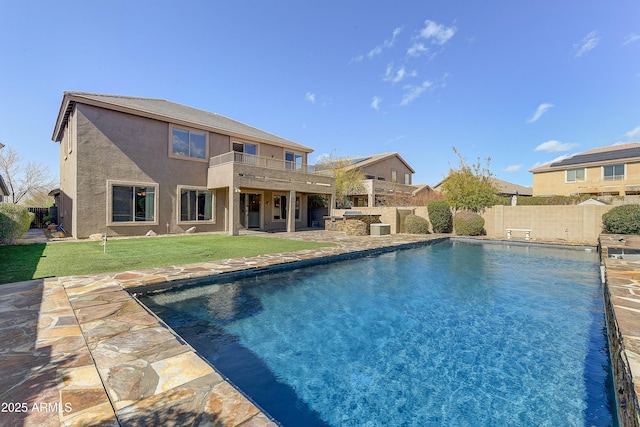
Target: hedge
pixel 467 223
pixel 623 219
pixel 414 224
pixel 440 216
pixel 14 221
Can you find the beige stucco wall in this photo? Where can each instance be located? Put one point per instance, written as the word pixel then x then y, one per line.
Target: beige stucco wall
pixel 383 169
pixel 571 223
pixel 121 147
pixel 553 182
pixel 68 174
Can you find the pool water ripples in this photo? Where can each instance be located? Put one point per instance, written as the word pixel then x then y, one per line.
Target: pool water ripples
pixel 449 334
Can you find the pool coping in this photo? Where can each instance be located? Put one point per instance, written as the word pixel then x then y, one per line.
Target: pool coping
pixel 83 350
pixel 92 348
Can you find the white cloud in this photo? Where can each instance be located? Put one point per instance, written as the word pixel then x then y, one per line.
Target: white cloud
pixel 557 159
pixel 437 33
pixel 631 38
pixel 379 48
pixel 554 146
pixel 413 92
pixel 375 102
pixel 588 43
pixel 633 134
pixel 311 97
pixel 542 108
pixel 395 76
pixel 417 49
pixel 513 168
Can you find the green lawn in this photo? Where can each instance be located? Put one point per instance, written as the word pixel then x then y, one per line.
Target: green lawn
pixel 25 262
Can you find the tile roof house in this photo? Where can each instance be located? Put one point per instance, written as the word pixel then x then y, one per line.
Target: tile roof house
pixel 612 170
pixel 129 165
pixel 386 174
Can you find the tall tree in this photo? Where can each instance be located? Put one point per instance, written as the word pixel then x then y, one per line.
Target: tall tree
pixel 23 179
pixel 348 180
pixel 469 187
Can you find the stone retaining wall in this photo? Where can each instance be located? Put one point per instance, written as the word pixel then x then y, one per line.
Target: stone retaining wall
pixel 352 225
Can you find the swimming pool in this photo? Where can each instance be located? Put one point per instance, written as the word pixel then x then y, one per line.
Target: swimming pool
pixel 447 334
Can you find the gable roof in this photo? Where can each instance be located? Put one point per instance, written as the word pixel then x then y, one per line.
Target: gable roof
pixel 360 162
pixel 596 156
pixel 504 187
pixel 507 187
pixel 161 109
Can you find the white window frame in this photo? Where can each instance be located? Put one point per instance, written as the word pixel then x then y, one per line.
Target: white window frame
pixel 394 176
pixel 566 176
pixel 615 177
pixel 293 165
pixel 407 179
pixel 190 130
pixel 179 220
pixel 112 183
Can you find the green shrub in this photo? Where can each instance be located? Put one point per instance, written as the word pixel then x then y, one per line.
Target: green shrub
pixel 48 218
pixel 623 219
pixel 440 216
pixel 14 221
pixel 467 223
pixel 414 224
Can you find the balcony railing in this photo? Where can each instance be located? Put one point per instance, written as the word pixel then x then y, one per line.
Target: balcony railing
pixel 266 162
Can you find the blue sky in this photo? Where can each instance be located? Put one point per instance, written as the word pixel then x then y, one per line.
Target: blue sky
pixel 520 82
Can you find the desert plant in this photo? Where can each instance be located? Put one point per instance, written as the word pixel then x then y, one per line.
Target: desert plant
pixel 440 216
pixel 467 223
pixel 414 224
pixel 14 221
pixel 623 219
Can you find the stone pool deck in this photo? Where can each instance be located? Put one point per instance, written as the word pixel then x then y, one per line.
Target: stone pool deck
pixel 81 351
pixel 622 298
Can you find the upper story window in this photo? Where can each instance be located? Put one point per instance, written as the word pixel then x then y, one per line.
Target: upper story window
pixel 407 179
pixel 394 176
pixel 245 147
pixel 575 175
pixel 188 143
pixel 370 177
pixel 293 160
pixel 613 172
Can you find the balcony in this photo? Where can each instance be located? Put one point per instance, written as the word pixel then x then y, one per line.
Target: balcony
pixel 241 170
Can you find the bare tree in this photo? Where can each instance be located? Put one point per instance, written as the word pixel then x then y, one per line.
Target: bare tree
pixel 23 179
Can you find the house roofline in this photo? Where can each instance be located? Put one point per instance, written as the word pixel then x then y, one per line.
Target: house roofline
pixel 70 99
pixel 376 158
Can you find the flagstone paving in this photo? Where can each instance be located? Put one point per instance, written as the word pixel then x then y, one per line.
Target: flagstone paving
pixel 82 351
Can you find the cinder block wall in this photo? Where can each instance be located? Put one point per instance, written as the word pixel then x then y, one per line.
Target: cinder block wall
pixel 573 223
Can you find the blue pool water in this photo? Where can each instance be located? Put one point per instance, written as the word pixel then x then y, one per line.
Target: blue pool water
pixel 452 334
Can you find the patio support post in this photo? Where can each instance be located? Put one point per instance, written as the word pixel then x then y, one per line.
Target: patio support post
pixel 371 198
pixel 291 212
pixel 234 211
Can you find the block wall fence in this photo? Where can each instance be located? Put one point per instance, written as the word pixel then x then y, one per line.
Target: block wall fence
pixel 571 223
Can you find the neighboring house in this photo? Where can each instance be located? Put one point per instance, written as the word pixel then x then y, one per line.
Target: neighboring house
pixel 4 191
pixel 606 171
pixel 385 174
pixel 505 188
pixel 130 165
pixel 508 189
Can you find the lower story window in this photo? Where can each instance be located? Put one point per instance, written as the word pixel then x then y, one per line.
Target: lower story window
pixel 196 205
pixel 132 203
pixel 280 207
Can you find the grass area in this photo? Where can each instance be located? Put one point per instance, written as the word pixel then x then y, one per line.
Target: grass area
pixel 25 262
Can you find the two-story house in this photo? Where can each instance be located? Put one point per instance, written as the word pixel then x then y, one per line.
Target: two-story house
pixel 386 175
pixel 606 171
pixel 131 165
